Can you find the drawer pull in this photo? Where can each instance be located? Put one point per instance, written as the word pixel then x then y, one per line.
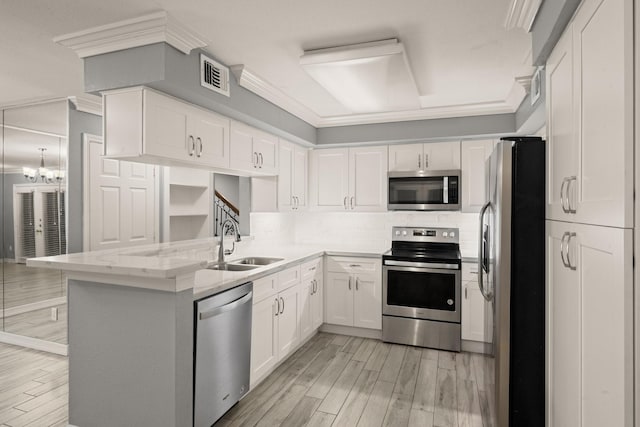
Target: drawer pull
pixel 355 265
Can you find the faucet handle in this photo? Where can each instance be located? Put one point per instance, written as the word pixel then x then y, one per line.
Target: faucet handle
pixel 228 251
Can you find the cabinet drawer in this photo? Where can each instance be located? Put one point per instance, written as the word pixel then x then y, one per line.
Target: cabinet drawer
pixel 353 265
pixel 264 287
pixel 311 268
pixel 288 278
pixel 469 271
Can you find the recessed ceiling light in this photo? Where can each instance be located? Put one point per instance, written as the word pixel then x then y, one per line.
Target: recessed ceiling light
pixel 365 77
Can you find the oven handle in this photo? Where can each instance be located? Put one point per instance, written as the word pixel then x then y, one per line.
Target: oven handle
pixel 422 264
pixel 486 295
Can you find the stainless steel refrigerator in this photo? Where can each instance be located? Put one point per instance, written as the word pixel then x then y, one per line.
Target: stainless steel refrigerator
pixel 511 263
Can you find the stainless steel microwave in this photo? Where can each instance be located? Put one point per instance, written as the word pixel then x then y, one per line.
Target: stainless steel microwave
pixel 424 190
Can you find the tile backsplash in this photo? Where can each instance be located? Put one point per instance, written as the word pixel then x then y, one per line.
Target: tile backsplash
pixel 369 229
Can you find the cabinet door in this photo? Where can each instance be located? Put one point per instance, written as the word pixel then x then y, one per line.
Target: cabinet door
pixel 368 179
pixel 603 88
pixel 367 302
pixel 330 179
pixel 405 157
pixel 264 338
pixel 441 155
pixel 266 146
pixel 300 176
pixel 305 319
pixel 288 331
pixel 317 303
pixel 474 156
pixel 242 154
pixel 286 176
pixel 338 309
pixel 477 322
pixel 165 128
pixel 211 132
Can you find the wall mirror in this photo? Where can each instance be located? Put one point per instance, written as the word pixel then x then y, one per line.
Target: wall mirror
pixel 34 170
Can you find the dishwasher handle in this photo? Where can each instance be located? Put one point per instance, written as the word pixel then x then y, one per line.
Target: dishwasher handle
pixel 224 308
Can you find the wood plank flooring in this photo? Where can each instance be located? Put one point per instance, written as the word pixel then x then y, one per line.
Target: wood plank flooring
pixel 332 380
pixel 38 324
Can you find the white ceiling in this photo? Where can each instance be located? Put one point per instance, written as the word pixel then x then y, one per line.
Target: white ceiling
pixel 459 51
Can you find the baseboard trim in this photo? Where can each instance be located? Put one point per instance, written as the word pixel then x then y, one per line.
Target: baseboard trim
pixel 476 347
pixel 352 331
pixel 25 308
pixel 34 343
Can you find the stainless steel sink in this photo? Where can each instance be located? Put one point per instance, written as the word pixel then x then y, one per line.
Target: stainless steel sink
pixel 232 267
pixel 256 261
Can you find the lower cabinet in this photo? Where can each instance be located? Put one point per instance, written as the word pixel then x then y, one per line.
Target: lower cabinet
pixel 264 327
pixel 311 297
pixel 354 292
pixel 590 325
pixel 477 319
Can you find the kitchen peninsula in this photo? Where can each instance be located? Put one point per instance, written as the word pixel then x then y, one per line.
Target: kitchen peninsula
pixel 131 323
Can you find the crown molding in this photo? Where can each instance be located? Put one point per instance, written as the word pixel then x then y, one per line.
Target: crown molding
pixel 266 90
pixel 262 88
pixel 87 103
pixel 521 14
pixel 144 30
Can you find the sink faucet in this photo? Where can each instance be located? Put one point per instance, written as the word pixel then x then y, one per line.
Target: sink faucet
pixel 221 251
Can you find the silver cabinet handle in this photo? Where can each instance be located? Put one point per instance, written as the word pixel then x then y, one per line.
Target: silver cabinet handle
pixel 192 147
pixel 352 202
pixel 199 147
pixel 261 160
pixel 315 284
pixel 466 296
pixel 562 195
pixel 426 160
pixel 294 203
pixel 344 202
pixel 230 306
pixel 357 280
pixel 277 307
pixel 355 265
pixel 567 246
pixel 282 311
pixel 562 247
pixel 419 163
pixel 255 162
pixel 349 282
pixel 569 181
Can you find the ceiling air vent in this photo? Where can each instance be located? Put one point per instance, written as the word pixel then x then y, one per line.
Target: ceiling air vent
pixel 214 75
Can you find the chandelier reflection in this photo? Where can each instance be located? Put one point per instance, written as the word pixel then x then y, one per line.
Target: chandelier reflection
pixel 46 175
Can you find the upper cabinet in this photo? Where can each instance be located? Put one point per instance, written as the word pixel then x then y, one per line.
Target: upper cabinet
pixel 428 156
pixel 145 126
pixel 252 150
pixel 474 157
pixel 292 177
pixel 590 117
pixel 353 179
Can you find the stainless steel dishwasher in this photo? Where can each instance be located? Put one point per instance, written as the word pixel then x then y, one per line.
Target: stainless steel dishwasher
pixel 222 352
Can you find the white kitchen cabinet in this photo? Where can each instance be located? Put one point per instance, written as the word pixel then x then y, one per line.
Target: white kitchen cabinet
pixel 473 157
pixel 590 117
pixel 264 327
pixel 352 179
pixel 288 330
pixel 311 297
pixel 590 325
pixel 292 177
pixel 187 208
pixel 477 320
pixel 427 156
pixel 143 125
pixel 252 150
pixel 353 292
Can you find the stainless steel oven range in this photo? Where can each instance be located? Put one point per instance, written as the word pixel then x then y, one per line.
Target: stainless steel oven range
pixel 421 288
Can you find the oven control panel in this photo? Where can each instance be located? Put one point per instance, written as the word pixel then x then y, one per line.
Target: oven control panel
pixel 425 234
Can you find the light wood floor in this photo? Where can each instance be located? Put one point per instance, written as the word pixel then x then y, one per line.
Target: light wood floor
pixel 333 380
pixel 38 324
pixel 33 388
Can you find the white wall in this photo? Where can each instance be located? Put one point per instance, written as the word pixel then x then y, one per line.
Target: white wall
pixel 354 229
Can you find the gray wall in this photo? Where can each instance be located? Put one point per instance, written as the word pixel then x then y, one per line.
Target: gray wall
pixel 552 18
pixel 79 123
pixel 8 246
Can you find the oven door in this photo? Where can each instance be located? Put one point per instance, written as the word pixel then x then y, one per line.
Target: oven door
pixel 421 293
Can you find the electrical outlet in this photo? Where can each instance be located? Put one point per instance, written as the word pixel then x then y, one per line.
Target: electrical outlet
pixel 54 313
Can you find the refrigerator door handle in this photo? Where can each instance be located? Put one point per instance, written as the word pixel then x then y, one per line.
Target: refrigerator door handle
pixel 481 253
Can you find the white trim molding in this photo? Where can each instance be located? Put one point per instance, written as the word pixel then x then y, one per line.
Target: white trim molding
pixel 144 30
pixel 86 103
pixel 266 90
pixel 521 14
pixel 26 308
pixel 34 343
